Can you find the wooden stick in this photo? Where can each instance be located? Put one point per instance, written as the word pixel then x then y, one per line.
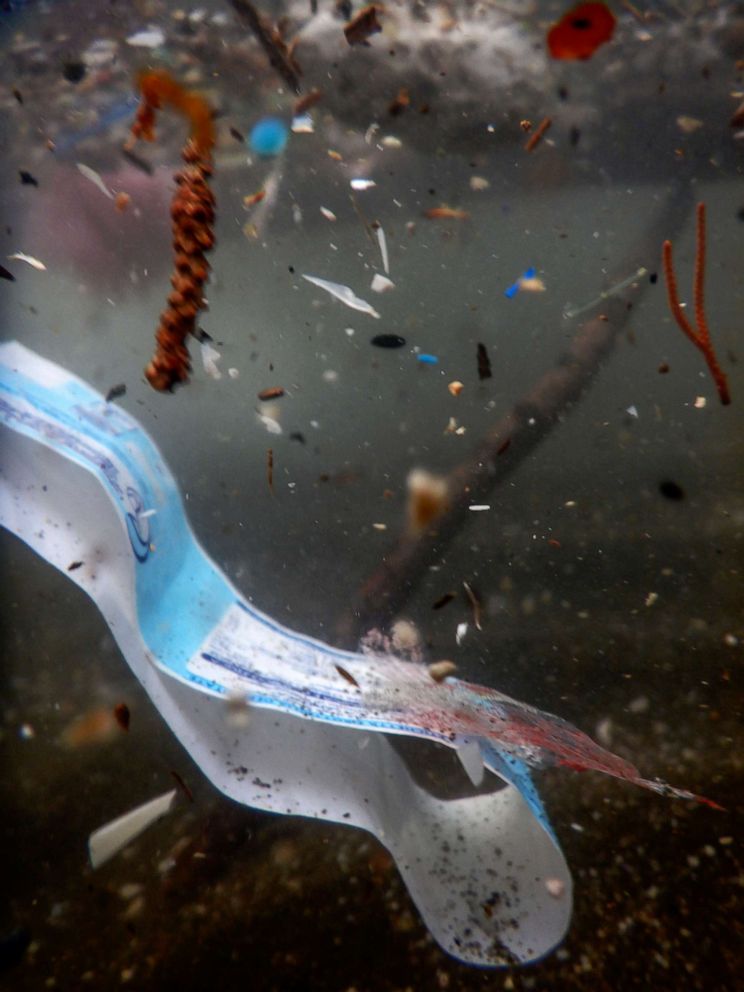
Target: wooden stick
pixel 503 449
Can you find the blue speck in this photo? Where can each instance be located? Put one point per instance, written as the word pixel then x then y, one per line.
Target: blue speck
pixel 427 359
pixel 268 137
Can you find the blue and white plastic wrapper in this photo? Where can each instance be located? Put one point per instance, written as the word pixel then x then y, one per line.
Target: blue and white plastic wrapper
pixel 78 479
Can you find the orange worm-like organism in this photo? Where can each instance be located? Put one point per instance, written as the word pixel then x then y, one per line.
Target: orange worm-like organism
pixel 192 213
pixel 700 337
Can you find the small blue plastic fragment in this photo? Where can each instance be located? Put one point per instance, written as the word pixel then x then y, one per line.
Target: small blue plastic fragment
pixel 427 359
pixel 268 137
pixel 512 291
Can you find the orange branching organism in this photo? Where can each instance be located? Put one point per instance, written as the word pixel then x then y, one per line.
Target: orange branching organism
pixel 192 213
pixel 700 337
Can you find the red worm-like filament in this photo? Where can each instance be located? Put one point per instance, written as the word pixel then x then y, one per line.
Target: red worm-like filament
pixel 700 337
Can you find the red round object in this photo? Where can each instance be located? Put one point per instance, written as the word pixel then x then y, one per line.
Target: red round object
pixel 581 31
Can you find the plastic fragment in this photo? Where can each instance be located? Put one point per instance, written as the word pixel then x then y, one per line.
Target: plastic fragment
pixel 148 38
pixel 381 284
pixel 343 293
pixel 20 256
pixel 95 178
pixel 113 837
pixel 427 359
pixel 512 291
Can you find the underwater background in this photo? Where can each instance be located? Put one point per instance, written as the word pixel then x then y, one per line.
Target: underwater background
pixel 607 566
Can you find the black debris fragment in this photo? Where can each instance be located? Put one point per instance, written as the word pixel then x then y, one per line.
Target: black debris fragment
pixel 387 341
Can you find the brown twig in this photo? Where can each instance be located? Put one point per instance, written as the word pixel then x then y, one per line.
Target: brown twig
pixel 280 56
pixel 538 134
pixel 700 337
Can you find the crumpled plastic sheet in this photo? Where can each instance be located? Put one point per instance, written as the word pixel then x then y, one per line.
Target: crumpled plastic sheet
pixel 80 479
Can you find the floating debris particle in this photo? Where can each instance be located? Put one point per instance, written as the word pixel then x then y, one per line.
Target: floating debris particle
pixel 95 178
pixel 74 71
pixel 671 490
pixel 96 726
pixel 460 632
pixel 254 198
pixel 444 212
pixel 479 183
pixel 538 134
pixel 455 387
pixel 270 423
pixel 382 242
pixel 443 600
pixel 302 124
pixel 347 676
pixel 362 184
pixel 122 201
pixel 400 102
pixel 688 125
pixel 270 469
pixel 479 507
pixel 74 566
pixel 387 341
pixel 532 284
pixel 343 293
pixel 108 840
pixel 148 38
pixel 20 256
pixel 210 357
pixel 700 403
pixel 571 311
pixel 122 715
pixel 440 670
pixel 238 135
pixel 427 359
pixel 271 393
pixel 304 103
pixel 6 274
pixel 663 368
pixel 364 25
pixel 427 500
pixel 381 284
pixel 512 290
pixel 238 710
pixel 581 31
pixel 27 179
pixel 556 887
pixel 651 599
pixel 380 526
pixel 484 363
pixel 328 214
pixel 474 601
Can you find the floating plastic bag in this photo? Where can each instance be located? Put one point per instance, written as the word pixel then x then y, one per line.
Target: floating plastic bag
pixel 82 482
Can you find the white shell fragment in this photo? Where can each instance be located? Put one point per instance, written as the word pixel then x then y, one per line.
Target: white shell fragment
pixel 94 177
pixel 343 293
pixel 149 38
pixel 382 242
pixel 108 840
pixel 210 357
pixel 20 256
pixel 381 284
